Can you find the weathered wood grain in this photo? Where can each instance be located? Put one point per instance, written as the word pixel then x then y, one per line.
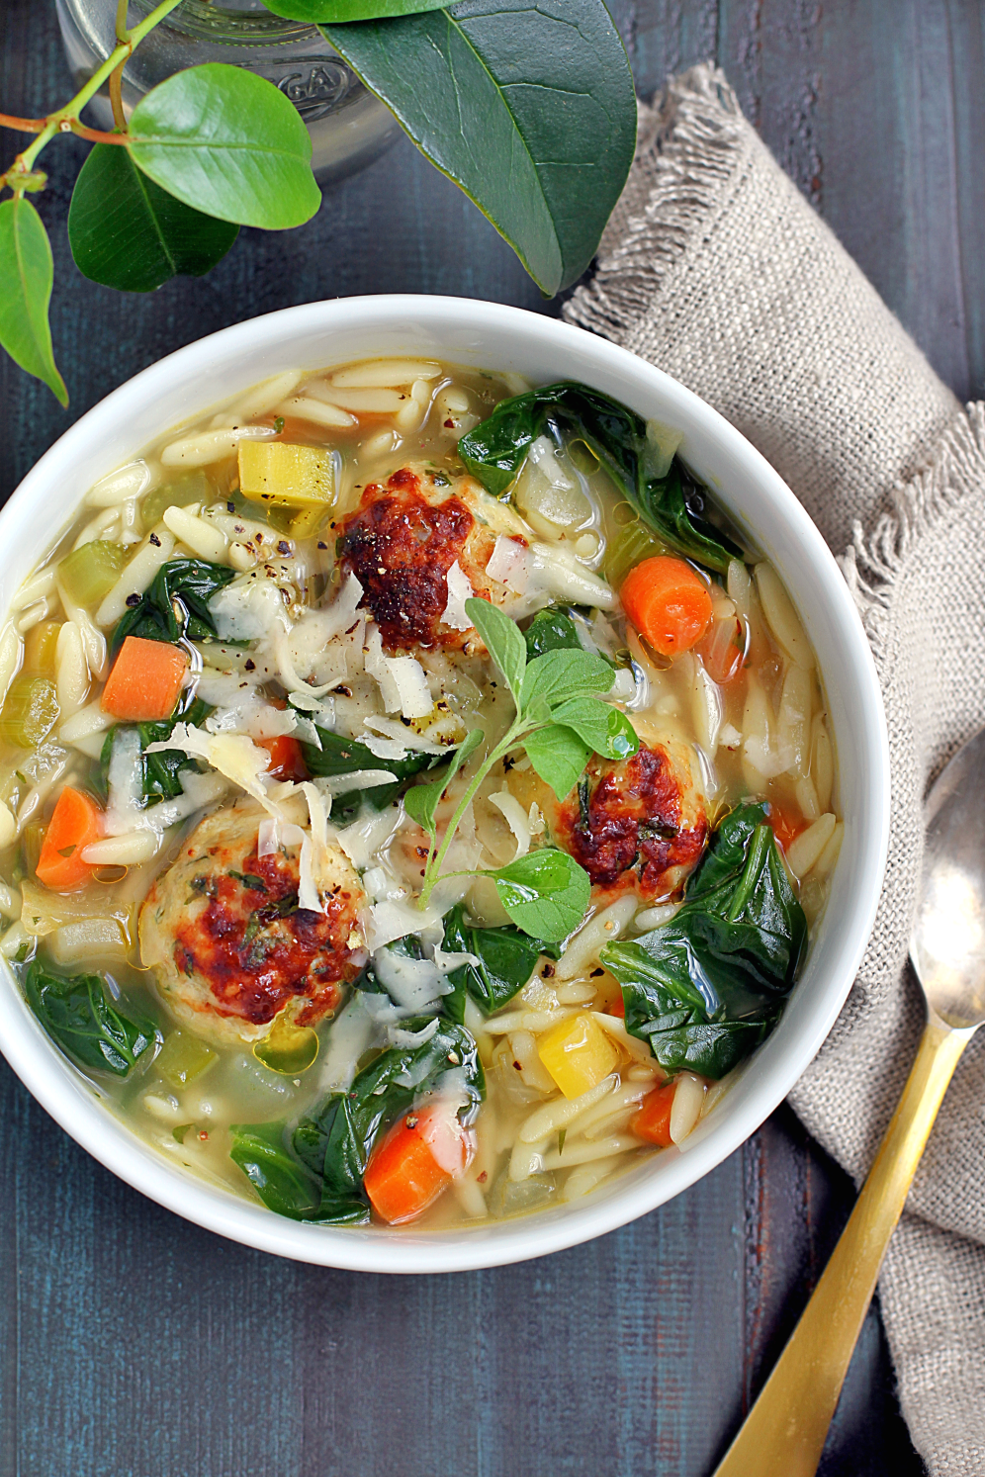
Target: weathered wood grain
pixel 132 1343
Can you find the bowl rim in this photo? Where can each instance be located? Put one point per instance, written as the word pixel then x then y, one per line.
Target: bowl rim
pixel 71 1101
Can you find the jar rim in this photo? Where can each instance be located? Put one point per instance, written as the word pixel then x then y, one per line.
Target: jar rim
pixel 202 18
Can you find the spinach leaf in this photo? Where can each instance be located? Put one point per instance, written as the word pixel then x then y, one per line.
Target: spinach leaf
pixel 507 958
pixel 673 504
pixel 707 987
pixel 282 1183
pixel 339 755
pixel 551 629
pixel 177 603
pixel 162 769
pixel 83 1022
pixel 335 1142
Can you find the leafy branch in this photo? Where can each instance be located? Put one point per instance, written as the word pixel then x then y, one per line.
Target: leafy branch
pixel 530 110
pixel 560 722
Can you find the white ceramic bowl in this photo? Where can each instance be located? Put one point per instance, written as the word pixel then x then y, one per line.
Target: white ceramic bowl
pixel 484 335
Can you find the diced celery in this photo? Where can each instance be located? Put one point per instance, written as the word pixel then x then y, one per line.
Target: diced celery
pixel 281 475
pixel 630 547
pixel 30 711
pixel 32 839
pixel 184 1057
pixel 90 572
pixel 287 1048
pixel 578 1054
pixel 192 487
pixel 39 649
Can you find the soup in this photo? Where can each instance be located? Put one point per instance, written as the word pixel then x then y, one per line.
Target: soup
pixel 414 798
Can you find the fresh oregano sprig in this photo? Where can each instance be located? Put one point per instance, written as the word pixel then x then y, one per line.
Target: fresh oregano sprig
pixel 560 722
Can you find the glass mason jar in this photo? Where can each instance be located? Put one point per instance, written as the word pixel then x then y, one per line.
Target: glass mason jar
pixel 348 125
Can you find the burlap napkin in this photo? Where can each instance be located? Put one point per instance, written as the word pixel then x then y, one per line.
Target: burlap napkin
pixel 717 270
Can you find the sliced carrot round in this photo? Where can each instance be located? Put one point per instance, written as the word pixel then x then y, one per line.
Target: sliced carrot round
pixel 286 758
pixel 668 603
pixel 652 1122
pixel 75 822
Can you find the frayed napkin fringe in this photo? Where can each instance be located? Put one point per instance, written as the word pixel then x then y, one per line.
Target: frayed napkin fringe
pixel 873 564
pixel 686 150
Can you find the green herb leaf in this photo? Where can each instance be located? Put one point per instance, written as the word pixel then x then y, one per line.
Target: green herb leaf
pixel 282 1183
pixel 83 1022
pixel 674 504
pixel 559 676
pixel 507 959
pixel 503 639
pixel 128 233
pixel 705 988
pixel 529 108
pixel 228 143
pixel 177 603
pixel 26 277
pixel 558 755
pixel 343 11
pixel 545 893
pixel 603 727
pixel 421 801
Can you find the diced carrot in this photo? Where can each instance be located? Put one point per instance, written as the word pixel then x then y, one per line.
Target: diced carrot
pixel 146 679
pixel 668 603
pixel 286 758
pixel 415 1161
pixel 75 822
pixel 786 827
pixel 652 1122
pixel 617 1006
pixel 722 649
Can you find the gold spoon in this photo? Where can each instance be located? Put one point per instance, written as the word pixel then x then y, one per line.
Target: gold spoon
pixel 784 1433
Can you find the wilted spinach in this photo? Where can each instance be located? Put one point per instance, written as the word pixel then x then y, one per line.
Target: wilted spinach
pixel 83 1022
pixel 176 604
pixel 161 770
pixel 673 504
pixel 507 958
pixel 320 1177
pixel 707 987
pixel 339 755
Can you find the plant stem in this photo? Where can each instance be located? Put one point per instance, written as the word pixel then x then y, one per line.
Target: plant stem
pixel 66 119
pixel 116 79
pixel 512 736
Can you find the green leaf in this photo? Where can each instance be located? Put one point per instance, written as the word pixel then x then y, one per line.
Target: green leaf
pixel 80 1018
pixel 558 755
pixel 282 1183
pixel 161 772
pixel 560 675
pixel 503 639
pixel 176 605
pixel 507 959
pixel 673 504
pixel 421 801
pixel 607 730
pixel 340 11
pixel 705 988
pixel 545 893
pixel 128 233
pixel 228 143
pixel 529 108
pixel 26 277
pixel 551 629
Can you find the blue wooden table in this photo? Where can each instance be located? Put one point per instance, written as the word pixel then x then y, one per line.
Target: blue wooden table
pixel 135 1345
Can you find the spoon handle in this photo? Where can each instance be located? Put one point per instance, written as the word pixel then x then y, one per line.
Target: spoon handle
pixel 785 1431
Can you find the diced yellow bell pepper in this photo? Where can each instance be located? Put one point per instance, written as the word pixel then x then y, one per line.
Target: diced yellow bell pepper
pixel 578 1054
pixel 285 476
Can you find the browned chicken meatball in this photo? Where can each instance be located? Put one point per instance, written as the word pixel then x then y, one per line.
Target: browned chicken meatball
pixel 231 947
pixel 637 825
pixel 401 542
